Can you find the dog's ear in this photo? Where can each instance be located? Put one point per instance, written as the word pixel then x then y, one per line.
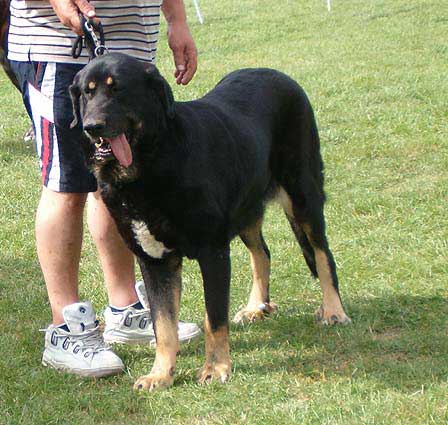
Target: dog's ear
pixel 75 94
pixel 163 90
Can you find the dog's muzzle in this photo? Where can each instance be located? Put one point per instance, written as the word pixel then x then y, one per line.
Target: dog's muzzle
pixel 116 147
pixel 103 150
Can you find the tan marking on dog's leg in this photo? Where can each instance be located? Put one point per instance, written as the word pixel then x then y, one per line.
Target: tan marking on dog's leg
pixel 217 355
pixel 261 268
pixel 331 310
pixel 162 372
pixel 285 201
pixel 257 307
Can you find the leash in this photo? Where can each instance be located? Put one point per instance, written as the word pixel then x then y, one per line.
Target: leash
pixel 95 44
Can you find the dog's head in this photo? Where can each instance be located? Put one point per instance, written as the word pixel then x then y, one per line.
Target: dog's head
pixel 116 99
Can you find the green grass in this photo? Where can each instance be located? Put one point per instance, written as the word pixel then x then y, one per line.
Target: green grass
pixel 375 72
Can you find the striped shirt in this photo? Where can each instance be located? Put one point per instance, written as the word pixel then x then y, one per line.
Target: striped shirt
pixel 36 34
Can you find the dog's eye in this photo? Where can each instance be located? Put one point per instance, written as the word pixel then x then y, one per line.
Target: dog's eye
pixel 90 87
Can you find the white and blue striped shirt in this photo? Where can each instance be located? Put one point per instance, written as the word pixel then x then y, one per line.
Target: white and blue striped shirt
pixel 36 33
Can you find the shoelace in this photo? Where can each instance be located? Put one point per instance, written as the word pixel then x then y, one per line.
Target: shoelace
pixel 90 342
pixel 146 310
pixel 139 313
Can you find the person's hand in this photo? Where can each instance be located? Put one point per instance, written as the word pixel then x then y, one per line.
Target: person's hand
pixel 184 52
pixel 68 10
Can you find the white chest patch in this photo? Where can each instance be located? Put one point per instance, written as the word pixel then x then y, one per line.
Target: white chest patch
pixel 147 241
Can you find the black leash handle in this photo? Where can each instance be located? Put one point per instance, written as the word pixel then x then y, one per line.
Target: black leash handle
pixel 96 44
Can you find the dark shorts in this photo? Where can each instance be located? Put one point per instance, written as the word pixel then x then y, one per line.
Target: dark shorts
pixel 44 86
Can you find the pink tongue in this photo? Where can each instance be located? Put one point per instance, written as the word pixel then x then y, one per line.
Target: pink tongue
pixel 121 149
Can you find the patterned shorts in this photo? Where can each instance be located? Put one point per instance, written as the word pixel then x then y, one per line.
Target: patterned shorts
pixel 44 87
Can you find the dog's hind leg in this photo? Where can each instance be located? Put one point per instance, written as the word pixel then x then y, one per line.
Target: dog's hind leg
pixel 259 304
pixel 307 250
pixel 163 284
pixel 298 168
pixel 215 268
pixel 306 217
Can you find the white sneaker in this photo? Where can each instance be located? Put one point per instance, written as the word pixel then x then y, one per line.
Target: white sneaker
pixel 81 350
pixel 134 326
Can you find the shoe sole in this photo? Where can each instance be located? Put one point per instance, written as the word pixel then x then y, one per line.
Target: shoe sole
pixel 152 342
pixel 90 373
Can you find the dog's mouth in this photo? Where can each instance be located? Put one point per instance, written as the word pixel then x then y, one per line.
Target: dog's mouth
pixel 108 148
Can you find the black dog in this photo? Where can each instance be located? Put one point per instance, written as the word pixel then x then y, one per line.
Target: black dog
pixel 184 178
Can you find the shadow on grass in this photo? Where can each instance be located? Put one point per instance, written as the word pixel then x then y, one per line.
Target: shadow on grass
pixel 400 342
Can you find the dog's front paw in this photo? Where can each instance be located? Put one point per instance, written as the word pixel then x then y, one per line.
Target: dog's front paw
pixel 154 381
pixel 219 371
pixel 247 315
pixel 328 316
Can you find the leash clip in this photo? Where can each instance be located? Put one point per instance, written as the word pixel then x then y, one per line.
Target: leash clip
pixel 95 43
pixel 99 44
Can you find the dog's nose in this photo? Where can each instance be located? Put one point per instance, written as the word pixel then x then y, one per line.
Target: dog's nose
pixel 94 128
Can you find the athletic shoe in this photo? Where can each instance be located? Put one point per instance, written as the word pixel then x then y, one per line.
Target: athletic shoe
pixel 78 347
pixel 133 324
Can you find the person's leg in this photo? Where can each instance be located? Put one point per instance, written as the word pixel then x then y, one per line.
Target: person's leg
pixel 73 342
pixel 59 222
pixel 117 261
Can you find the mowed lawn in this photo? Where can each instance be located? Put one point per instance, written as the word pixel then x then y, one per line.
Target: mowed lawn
pixel 376 73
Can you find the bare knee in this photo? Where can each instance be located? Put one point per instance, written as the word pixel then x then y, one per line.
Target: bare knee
pixel 98 217
pixel 60 204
